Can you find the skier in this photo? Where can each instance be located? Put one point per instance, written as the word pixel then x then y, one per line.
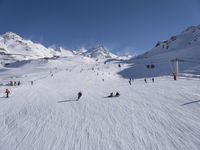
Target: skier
pixel 111 95
pixel 7 93
pixel 174 75
pixel 79 95
pixel 145 80
pixel 18 83
pixel 152 79
pixel 31 82
pixel 129 81
pixel 15 83
pixel 117 94
pixel 11 83
pixel 119 65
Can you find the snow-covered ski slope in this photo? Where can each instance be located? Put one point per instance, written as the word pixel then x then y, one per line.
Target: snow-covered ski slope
pixel 45 116
pixel 184 47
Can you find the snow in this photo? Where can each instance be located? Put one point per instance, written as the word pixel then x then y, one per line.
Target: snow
pixel 160 115
pixel 185 46
pixel 15 48
pixel 45 115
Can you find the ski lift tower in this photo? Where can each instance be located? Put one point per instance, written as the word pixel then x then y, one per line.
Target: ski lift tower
pixel 176 61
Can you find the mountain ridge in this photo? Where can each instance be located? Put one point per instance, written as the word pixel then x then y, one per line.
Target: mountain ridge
pixel 184 46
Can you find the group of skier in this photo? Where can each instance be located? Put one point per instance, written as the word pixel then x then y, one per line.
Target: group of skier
pixel 112 95
pixel 12 83
pixel 145 80
pixel 79 94
pixel 15 83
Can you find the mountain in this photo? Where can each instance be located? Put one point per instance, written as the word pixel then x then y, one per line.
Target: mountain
pixel 184 47
pixel 80 51
pixel 63 52
pixel 15 48
pixel 98 52
pixel 11 43
pixel 187 39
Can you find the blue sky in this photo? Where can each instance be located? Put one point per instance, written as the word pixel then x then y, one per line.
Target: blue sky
pixel 125 26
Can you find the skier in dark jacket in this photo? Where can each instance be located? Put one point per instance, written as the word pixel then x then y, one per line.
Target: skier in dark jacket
pixel 117 94
pixel 129 81
pixel 111 95
pixel 11 83
pixel 79 95
pixel 7 93
pixel 18 83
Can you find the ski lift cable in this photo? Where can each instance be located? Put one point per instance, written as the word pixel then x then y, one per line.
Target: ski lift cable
pixel 171 67
pixel 153 62
pixel 195 62
pixel 160 60
pixel 190 58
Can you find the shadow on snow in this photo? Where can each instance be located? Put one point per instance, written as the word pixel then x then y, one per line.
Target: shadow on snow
pixel 67 101
pixel 190 103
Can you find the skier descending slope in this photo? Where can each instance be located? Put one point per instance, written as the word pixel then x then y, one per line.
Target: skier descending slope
pixel 129 81
pixel 117 94
pixel 18 83
pixel 111 95
pixel 79 95
pixel 7 93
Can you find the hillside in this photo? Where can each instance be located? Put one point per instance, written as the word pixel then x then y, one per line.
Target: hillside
pixel 185 46
pixel 14 48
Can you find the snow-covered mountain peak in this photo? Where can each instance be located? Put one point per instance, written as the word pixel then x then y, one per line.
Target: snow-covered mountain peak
pixel 15 48
pixel 99 52
pixel 63 51
pixel 58 49
pixel 11 35
pixel 190 37
pixel 191 29
pixel 99 48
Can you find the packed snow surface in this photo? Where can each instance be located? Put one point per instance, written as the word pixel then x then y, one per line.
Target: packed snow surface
pixel 163 115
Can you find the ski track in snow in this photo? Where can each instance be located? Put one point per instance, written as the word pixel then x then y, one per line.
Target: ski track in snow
pixel 146 116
